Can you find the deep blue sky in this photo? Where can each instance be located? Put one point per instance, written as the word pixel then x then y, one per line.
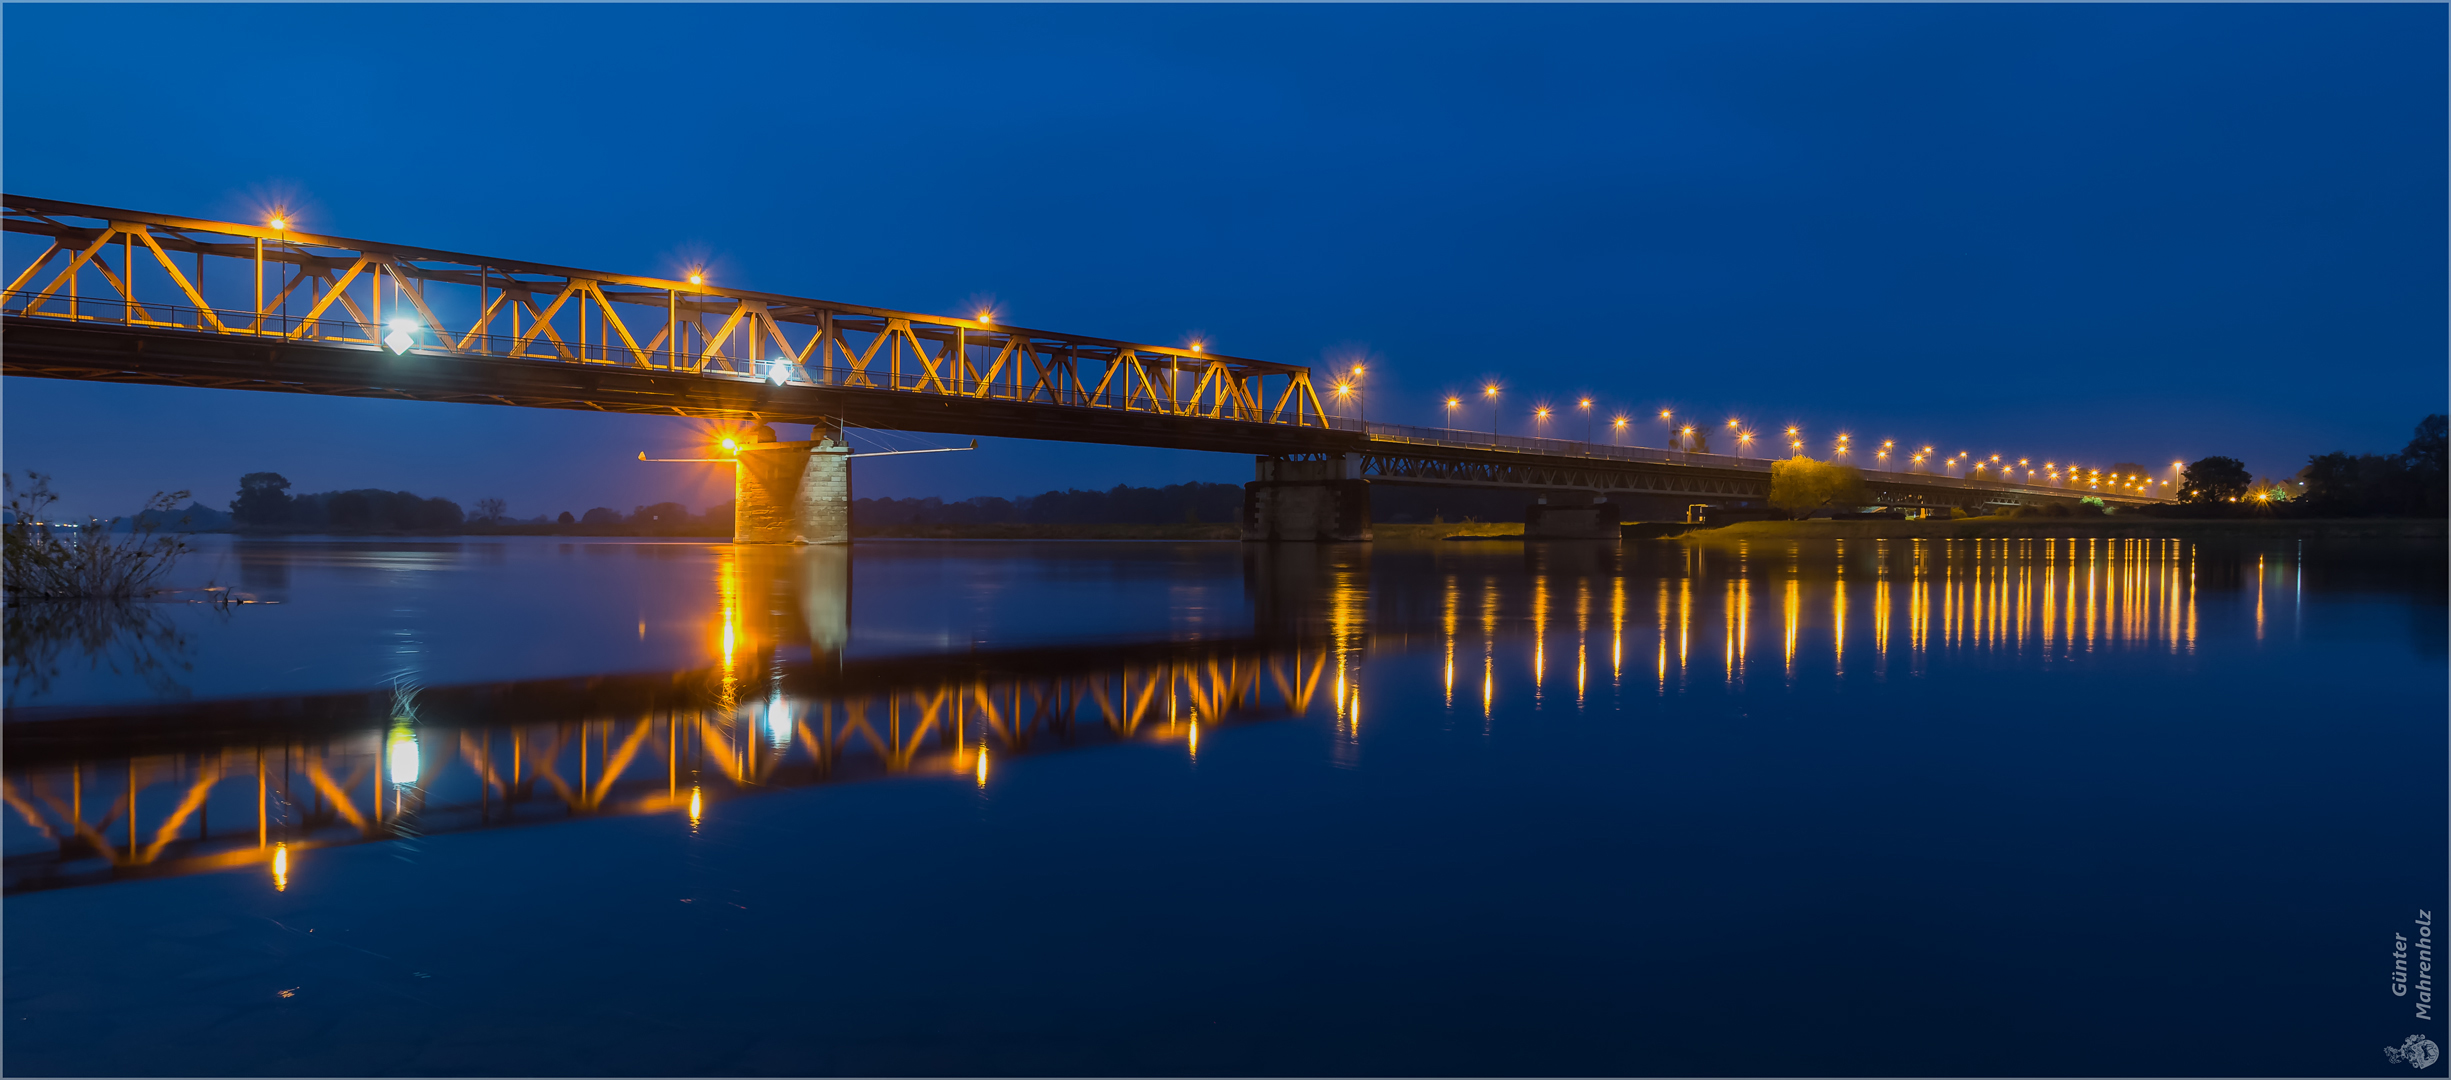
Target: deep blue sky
pixel 2099 232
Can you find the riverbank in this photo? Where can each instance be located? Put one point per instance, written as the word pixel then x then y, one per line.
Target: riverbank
pixel 1408 533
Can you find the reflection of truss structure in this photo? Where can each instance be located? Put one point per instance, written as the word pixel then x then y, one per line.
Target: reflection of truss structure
pixel 120 813
pixel 470 328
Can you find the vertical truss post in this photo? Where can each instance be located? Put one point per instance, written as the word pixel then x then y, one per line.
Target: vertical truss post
pixel 259 332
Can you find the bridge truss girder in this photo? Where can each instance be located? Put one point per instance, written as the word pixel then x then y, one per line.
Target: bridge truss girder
pixel 287 287
pixel 111 353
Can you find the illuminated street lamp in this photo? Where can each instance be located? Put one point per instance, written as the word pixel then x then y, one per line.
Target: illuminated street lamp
pixel 1585 405
pixel 1453 403
pixel 1489 393
pixel 403 335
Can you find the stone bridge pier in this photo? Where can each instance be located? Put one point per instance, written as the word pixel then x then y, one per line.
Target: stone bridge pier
pixel 793 492
pixel 1307 500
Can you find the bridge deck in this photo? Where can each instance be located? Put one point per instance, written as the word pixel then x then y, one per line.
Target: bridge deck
pixel 256 308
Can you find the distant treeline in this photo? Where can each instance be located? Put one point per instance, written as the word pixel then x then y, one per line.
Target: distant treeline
pixel 2410 483
pixel 2339 484
pixel 264 504
pixel 1122 504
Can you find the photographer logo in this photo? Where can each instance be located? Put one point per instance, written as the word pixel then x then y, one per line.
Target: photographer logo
pixel 2418 1051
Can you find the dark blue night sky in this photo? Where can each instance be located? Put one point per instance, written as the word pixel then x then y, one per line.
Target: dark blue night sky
pixel 2106 233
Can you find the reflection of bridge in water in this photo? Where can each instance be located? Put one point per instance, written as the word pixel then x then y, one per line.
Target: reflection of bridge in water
pixel 452 759
pixel 228 784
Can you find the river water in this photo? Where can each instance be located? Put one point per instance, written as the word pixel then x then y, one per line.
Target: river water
pixel 544 806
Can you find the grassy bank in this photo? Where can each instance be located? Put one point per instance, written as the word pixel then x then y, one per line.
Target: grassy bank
pixel 2008 527
pixel 1418 533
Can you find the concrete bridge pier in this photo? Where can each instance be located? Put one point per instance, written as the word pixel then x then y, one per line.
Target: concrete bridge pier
pixel 793 492
pixel 1307 500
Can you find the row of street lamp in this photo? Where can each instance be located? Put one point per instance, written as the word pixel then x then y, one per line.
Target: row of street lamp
pixel 1349 385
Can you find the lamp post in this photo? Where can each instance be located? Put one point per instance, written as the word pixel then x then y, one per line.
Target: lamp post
pixel 1489 393
pixel 280 228
pixel 1452 404
pixel 1585 405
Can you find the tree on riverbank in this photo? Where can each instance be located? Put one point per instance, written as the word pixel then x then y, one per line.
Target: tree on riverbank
pixel 2214 480
pixel 1800 485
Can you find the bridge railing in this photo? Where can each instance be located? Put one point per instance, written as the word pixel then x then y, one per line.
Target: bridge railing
pixel 1483 440
pixel 828 371
pixel 234 280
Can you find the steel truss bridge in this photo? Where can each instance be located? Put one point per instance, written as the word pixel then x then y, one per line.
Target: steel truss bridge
pixel 220 785
pixel 226 305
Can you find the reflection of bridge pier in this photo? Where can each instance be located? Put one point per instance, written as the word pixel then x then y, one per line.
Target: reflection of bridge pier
pixel 775 595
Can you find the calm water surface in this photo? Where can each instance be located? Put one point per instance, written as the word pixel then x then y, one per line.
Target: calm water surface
pixel 546 807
